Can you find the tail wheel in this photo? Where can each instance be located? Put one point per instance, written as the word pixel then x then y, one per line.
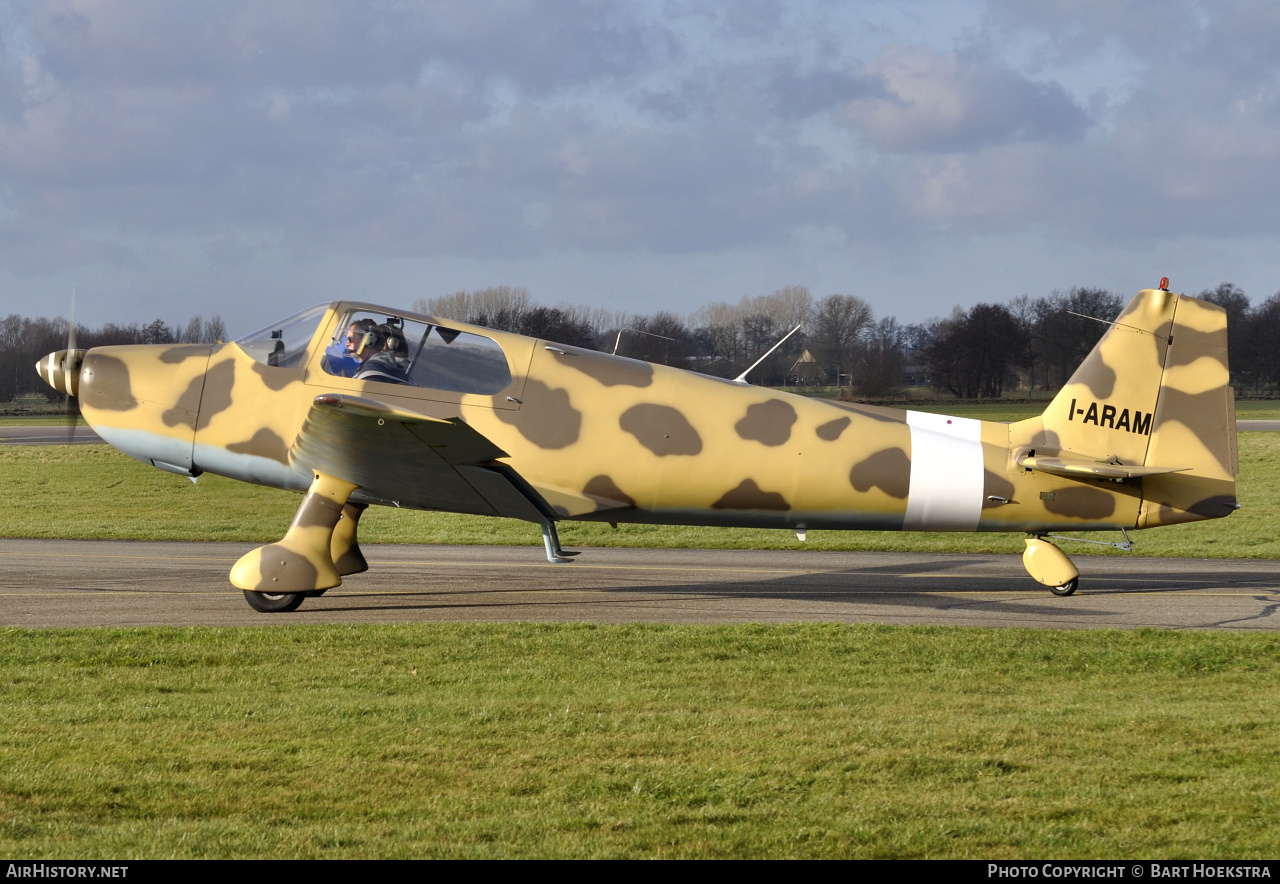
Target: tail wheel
pixel 1065 589
pixel 274 603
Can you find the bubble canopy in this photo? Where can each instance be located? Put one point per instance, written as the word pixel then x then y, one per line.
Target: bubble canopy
pixel 428 355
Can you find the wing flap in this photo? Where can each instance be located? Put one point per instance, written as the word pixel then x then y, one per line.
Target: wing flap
pixel 501 493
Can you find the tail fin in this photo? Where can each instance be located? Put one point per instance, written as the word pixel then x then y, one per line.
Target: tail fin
pixel 1154 393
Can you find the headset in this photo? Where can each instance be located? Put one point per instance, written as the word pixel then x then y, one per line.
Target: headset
pixel 380 337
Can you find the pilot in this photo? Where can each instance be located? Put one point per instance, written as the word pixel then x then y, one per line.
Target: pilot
pixel 340 356
pixel 384 356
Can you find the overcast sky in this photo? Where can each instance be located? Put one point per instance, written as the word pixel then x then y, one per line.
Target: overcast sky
pixel 252 158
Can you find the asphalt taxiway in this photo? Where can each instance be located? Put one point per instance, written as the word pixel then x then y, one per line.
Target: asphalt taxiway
pixel 48 435
pixel 59 583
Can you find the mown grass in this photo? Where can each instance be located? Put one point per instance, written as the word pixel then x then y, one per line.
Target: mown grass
pixel 95 492
pixel 813 740
pixel 521 740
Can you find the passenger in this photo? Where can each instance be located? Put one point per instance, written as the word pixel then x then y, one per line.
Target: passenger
pixel 340 356
pixel 384 356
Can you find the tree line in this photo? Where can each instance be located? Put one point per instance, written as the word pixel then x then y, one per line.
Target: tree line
pixel 979 352
pixel 24 341
pixel 1030 343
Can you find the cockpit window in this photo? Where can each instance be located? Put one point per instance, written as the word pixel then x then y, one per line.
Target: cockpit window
pixel 283 343
pixel 395 350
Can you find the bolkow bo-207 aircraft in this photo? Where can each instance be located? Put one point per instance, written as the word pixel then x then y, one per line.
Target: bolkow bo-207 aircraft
pixel 465 419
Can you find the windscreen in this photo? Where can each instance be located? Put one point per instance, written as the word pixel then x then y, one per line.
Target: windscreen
pixel 283 344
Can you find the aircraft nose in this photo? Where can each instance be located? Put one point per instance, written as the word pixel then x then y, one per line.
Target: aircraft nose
pixel 145 398
pixel 61 370
pixel 145 381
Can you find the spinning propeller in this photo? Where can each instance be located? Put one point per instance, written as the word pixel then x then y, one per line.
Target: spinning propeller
pixel 61 370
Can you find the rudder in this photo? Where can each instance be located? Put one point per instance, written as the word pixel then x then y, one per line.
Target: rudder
pixel 1194 425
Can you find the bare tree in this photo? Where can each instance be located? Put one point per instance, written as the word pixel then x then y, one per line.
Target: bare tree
pixel 1233 299
pixel 553 324
pixel 880 360
pixel 1068 326
pixel 1023 311
pixel 1262 332
pixel 973 356
pixel 194 331
pixel 500 307
pixel 214 330
pixel 838 321
pixel 721 325
pixel 662 337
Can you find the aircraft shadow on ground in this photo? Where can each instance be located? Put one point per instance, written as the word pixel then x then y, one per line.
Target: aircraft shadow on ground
pixel 918 586
pixel 840 592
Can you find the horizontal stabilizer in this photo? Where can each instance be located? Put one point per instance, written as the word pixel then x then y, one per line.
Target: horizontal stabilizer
pixel 1079 468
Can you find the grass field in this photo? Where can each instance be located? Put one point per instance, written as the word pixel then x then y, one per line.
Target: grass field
pixel 532 740
pixel 810 740
pixel 93 491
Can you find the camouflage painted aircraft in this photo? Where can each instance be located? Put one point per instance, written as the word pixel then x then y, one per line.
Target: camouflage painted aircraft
pixel 465 419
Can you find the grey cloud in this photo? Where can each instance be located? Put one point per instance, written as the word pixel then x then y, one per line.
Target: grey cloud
pixel 931 101
pixel 461 129
pixel 172 118
pixel 1192 132
pixel 1147 29
pixel 305 44
pixel 799 95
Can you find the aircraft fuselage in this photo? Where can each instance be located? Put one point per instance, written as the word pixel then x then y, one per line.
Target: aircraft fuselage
pixel 613 439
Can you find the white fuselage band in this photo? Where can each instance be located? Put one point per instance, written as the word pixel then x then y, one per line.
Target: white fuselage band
pixel 946 473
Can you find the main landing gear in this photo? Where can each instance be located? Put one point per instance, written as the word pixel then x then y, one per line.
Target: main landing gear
pixel 319 548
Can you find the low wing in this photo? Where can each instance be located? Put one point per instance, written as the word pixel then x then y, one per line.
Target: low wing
pixel 1082 468
pixel 411 460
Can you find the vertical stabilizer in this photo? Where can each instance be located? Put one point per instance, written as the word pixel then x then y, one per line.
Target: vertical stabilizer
pixel 1107 409
pixel 1153 393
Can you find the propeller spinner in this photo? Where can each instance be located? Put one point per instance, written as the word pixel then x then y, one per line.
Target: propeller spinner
pixel 61 370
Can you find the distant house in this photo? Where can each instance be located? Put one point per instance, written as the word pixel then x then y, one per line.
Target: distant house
pixel 807 370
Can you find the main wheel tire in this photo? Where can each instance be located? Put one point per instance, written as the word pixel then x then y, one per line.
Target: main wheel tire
pixel 274 603
pixel 1065 589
